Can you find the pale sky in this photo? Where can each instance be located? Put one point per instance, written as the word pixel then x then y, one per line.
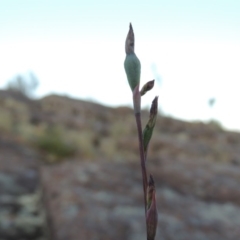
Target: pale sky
pixel 76 48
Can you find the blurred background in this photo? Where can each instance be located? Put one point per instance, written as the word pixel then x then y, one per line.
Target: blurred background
pixel 68 147
pixel 191 48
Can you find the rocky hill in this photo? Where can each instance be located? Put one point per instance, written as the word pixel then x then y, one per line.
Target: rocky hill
pixel 69 169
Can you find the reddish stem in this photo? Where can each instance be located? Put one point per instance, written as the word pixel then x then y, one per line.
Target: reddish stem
pixel 142 157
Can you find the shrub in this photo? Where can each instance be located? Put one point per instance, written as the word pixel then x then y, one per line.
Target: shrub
pixel 53 142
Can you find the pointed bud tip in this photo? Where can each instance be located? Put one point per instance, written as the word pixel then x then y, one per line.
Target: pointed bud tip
pixel 130 28
pixel 154 106
pixel 151 181
pixel 155 100
pixel 129 43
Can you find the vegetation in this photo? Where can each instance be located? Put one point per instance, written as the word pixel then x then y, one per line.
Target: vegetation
pixel 132 67
pixel 54 144
pixel 25 84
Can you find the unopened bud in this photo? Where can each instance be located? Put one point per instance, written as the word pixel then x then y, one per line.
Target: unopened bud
pixel 147 87
pixel 132 64
pixel 148 130
pixel 152 215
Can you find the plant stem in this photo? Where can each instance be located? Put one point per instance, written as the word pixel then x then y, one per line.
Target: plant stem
pixel 142 157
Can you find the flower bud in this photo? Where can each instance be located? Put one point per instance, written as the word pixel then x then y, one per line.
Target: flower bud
pixel 152 215
pixel 147 87
pixel 148 130
pixel 132 64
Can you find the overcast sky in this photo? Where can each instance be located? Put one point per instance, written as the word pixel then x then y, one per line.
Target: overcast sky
pixel 191 47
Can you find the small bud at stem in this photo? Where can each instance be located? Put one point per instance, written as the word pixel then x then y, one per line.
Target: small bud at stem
pixel 147 87
pixel 148 130
pixel 152 215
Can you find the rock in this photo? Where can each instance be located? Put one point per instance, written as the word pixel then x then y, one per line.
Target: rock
pixel 22 214
pixel 195 166
pixel 103 200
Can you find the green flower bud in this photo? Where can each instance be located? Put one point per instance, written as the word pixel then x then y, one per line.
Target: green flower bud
pixel 132 64
pixel 148 130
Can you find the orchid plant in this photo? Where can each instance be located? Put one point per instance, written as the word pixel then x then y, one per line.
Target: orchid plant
pixel 132 67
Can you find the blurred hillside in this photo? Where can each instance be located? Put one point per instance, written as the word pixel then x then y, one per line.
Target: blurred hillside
pixel 70 170
pixel 62 127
